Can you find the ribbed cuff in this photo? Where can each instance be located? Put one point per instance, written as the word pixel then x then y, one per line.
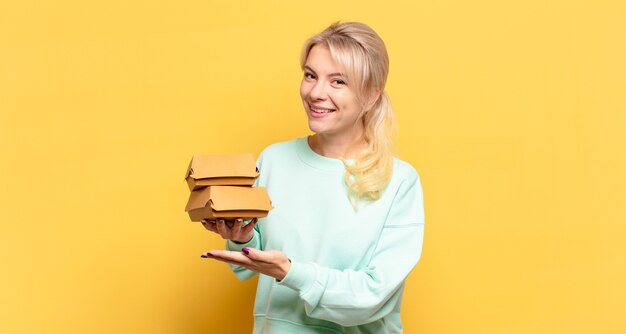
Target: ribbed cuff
pixel 300 277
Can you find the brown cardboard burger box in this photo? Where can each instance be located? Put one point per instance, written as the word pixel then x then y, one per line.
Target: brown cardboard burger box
pixel 228 202
pixel 221 170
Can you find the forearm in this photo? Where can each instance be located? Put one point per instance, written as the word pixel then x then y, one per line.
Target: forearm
pixel 355 297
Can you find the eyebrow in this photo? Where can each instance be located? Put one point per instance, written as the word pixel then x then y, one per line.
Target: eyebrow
pixel 330 75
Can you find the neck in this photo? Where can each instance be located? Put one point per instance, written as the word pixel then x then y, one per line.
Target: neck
pixel 338 147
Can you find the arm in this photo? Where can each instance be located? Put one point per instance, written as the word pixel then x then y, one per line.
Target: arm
pixel 350 297
pixel 354 297
pixel 346 297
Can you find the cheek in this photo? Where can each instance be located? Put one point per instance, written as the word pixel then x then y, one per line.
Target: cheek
pixel 303 89
pixel 347 101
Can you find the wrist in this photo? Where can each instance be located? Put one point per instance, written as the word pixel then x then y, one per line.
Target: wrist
pixel 285 269
pixel 237 242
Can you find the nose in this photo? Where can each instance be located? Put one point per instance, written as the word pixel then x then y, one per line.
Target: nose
pixel 318 91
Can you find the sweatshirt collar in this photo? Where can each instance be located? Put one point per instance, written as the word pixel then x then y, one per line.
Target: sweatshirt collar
pixel 311 158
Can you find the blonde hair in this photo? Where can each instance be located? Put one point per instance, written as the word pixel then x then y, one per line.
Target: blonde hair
pixel 363 55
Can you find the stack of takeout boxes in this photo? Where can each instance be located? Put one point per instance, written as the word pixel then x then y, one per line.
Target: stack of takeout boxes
pixel 221 188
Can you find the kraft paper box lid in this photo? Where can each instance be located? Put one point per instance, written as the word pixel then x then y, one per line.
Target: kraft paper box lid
pixel 225 169
pixel 228 202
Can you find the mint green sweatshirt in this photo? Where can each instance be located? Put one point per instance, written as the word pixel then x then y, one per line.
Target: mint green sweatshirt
pixel 348 268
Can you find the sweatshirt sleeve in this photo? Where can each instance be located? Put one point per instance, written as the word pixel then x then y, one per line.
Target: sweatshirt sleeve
pixel 355 297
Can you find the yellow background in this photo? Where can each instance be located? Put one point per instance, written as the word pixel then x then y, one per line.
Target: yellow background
pixel 513 112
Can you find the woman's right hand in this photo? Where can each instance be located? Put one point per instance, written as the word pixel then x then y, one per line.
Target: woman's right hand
pixel 234 230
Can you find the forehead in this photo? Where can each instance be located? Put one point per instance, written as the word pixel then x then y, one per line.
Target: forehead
pixel 321 61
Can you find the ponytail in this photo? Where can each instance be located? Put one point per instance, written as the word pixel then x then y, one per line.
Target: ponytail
pixel 371 171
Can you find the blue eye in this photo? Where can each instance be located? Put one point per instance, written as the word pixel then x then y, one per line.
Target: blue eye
pixel 309 75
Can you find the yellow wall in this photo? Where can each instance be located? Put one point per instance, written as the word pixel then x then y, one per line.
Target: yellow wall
pixel 512 111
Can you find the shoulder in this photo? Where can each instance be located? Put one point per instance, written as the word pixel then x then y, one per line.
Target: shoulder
pixel 405 180
pixel 405 192
pixel 404 172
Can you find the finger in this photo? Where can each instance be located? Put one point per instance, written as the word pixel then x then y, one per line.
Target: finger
pixel 229 256
pixel 257 255
pixel 252 253
pixel 250 225
pixel 208 224
pixel 237 225
pixel 222 229
pixel 207 255
pixel 211 227
pixel 235 263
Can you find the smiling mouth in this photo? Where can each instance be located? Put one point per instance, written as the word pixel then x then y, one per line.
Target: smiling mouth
pixel 320 110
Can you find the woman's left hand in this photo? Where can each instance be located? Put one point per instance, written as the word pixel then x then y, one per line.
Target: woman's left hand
pixel 271 262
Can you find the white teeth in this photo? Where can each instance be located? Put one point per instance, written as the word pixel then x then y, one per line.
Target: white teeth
pixel 321 111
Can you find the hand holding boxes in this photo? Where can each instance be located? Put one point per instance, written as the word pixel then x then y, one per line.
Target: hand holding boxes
pixel 221 187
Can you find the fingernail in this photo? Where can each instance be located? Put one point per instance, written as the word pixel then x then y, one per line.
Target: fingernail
pixel 239 220
pixel 221 221
pixel 246 250
pixel 203 221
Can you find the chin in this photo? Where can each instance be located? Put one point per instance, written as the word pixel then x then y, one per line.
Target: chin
pixel 315 127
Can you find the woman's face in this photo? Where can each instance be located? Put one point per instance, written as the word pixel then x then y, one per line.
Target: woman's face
pixel 330 103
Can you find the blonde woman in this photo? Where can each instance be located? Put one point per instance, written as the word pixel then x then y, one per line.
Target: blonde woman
pixel 348 222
